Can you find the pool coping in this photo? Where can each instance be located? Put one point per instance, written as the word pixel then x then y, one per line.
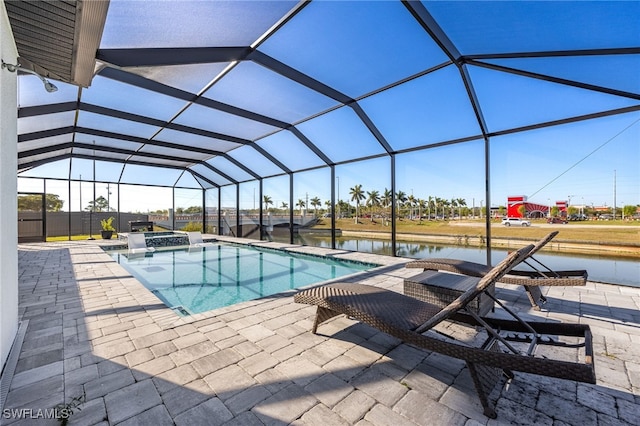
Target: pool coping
pixel 168 318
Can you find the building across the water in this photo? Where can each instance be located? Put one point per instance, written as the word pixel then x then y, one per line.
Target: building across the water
pixel 518 206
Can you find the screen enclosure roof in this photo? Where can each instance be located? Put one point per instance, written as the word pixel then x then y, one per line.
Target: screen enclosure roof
pixel 222 92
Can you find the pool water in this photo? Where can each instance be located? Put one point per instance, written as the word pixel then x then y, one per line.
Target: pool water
pixel 194 280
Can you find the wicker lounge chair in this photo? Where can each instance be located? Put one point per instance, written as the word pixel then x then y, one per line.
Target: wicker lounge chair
pixel 137 243
pixel 511 345
pixel 538 275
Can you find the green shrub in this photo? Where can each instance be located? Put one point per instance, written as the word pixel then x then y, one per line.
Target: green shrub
pixel 107 224
pixel 192 226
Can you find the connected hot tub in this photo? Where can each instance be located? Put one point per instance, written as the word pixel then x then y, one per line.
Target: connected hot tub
pixel 161 238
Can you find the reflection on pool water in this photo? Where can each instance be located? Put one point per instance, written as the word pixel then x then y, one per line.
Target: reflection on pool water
pixel 613 270
pixel 194 280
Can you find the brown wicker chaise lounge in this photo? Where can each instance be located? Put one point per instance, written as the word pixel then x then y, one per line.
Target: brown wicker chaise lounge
pixel 538 275
pixel 511 345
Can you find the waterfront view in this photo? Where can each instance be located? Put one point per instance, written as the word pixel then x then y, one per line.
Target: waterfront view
pixel 607 269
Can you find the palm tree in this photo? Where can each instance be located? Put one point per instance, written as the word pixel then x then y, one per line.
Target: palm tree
pixel 411 201
pixel 453 203
pixel 445 206
pixel 267 200
pixel 373 201
pixel 439 204
pixel 386 201
pixel 315 203
pixel 284 206
pixel 461 203
pixel 422 204
pixel 301 205
pixel 357 195
pixel 401 198
pixel 328 205
pixel 430 204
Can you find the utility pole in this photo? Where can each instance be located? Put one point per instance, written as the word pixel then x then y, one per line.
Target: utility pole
pixel 614 195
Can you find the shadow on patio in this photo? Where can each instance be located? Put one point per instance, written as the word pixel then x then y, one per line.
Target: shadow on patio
pixel 101 337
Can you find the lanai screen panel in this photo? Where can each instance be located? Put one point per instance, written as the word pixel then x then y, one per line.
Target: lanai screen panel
pixel 354 47
pixel 290 150
pixel 430 109
pixel 259 163
pixel 136 24
pixel 257 89
pixel 31 93
pixel 480 27
pixel 234 91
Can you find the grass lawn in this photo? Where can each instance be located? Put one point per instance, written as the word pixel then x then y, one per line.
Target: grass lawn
pixel 604 233
pixel 596 232
pixel 77 238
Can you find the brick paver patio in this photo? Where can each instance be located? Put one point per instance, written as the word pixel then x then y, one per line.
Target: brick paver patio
pixel 97 335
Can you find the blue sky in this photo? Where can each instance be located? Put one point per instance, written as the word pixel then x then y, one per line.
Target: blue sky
pixel 357 48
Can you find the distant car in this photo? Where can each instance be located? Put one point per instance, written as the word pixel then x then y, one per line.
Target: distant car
pixel 515 221
pixel 556 220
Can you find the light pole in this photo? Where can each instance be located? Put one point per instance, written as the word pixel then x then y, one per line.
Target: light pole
pixel 549 210
pixel 569 205
pixel 81 219
pixel 108 197
pixel 93 207
pixel 338 203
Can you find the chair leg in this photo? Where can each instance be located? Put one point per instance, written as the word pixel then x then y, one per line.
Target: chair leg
pixel 485 379
pixel 535 296
pixel 322 314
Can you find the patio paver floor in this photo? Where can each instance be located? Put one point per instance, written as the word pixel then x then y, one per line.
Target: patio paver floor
pixel 94 332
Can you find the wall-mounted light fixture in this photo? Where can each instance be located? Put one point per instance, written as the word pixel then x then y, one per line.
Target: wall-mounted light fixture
pixel 48 86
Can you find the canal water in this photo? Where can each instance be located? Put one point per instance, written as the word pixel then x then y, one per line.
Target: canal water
pixel 612 270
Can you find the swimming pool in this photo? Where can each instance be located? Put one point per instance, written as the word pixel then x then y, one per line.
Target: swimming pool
pixel 194 280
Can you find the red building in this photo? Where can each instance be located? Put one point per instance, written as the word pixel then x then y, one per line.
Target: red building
pixel 514 206
pixel 516 202
pixel 562 208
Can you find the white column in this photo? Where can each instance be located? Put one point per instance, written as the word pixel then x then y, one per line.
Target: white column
pixel 8 191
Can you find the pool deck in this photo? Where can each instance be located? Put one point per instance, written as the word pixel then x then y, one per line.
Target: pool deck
pixel 94 333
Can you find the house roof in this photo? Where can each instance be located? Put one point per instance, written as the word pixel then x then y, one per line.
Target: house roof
pixel 58 39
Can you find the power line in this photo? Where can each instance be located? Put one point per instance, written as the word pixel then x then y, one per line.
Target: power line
pixel 585 157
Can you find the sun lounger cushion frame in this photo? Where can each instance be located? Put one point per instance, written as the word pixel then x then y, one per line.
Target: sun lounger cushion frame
pixel 411 320
pixel 532 280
